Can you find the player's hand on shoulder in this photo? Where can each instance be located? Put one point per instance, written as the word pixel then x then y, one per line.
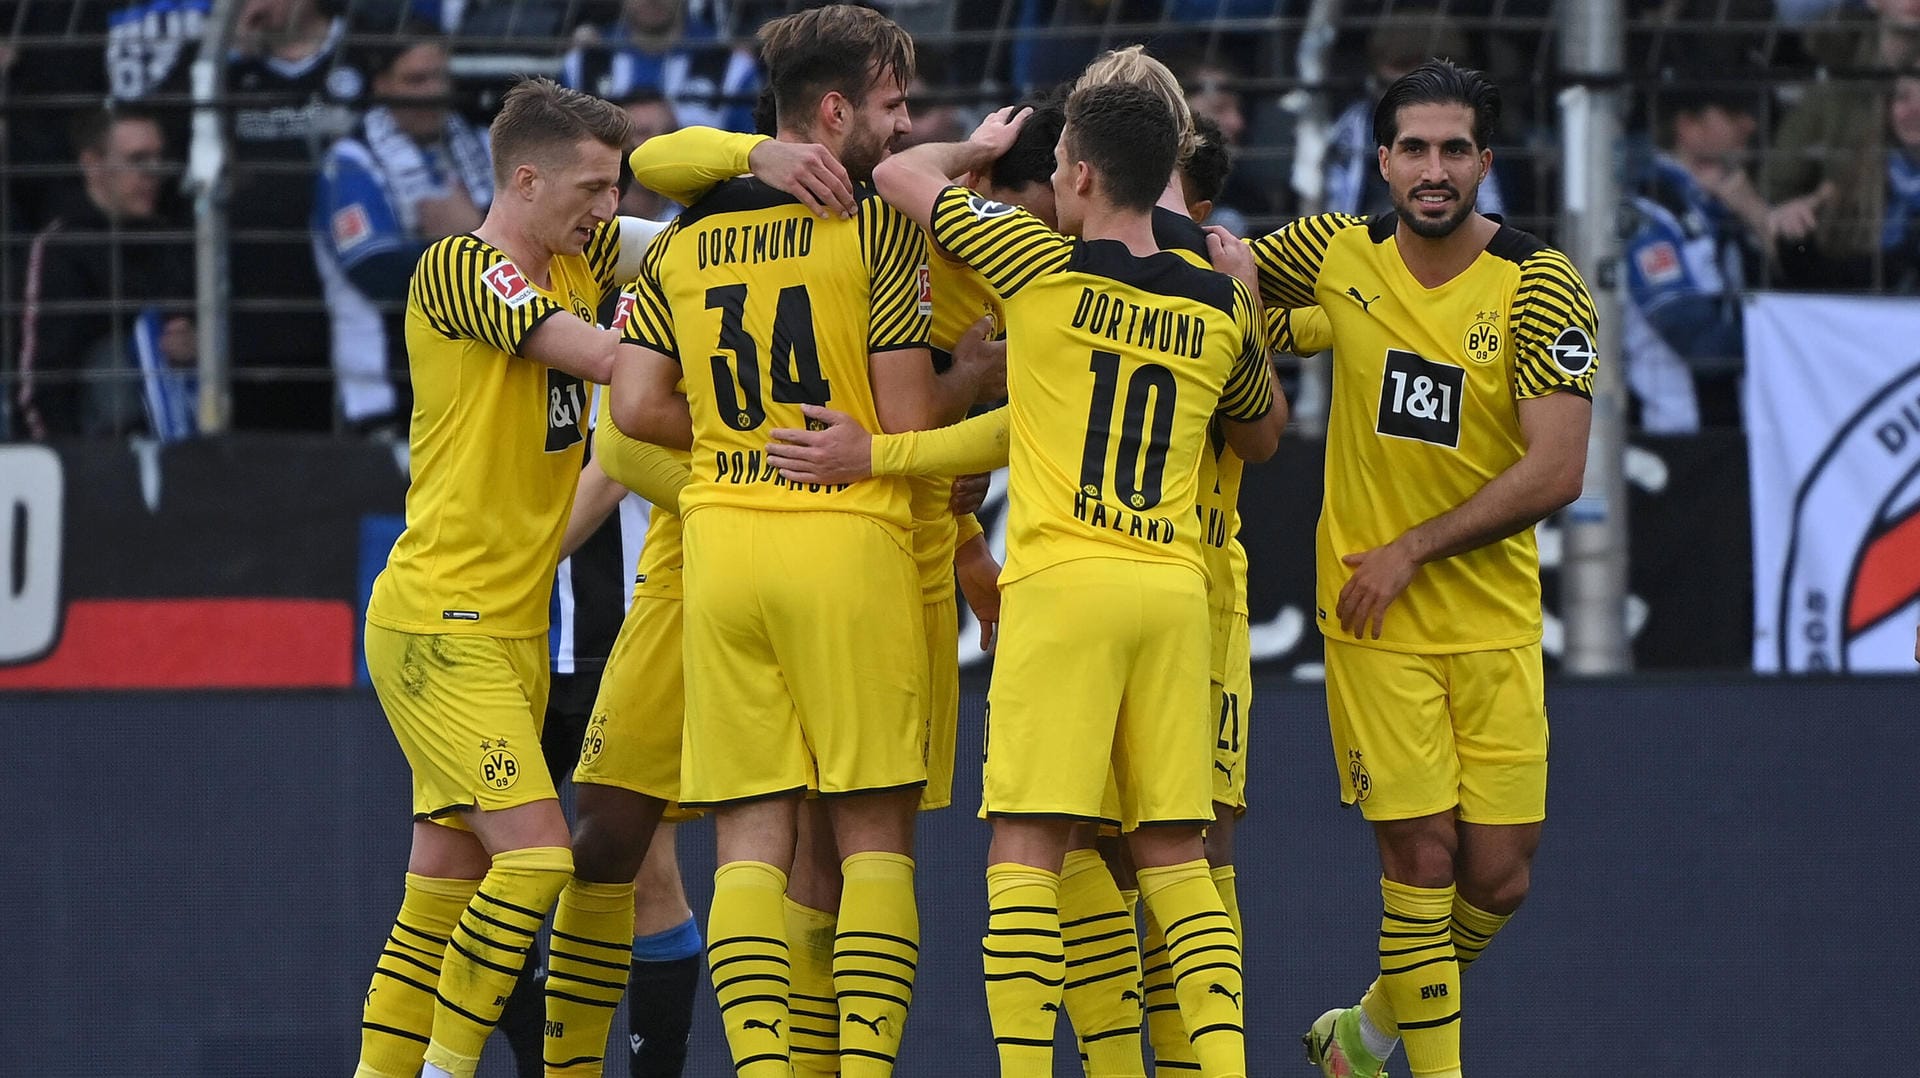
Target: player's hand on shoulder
pixel 1232 257
pixel 1379 576
pixel 834 448
pixel 979 577
pixel 982 361
pixel 809 172
pixel 996 133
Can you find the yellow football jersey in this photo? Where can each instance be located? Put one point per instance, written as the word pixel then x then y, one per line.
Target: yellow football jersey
pixel 496 440
pixel 960 298
pixel 1221 469
pixel 1116 364
pixel 1424 391
pixel 767 307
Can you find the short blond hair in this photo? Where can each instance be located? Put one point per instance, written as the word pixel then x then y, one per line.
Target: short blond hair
pixel 539 116
pixel 1134 66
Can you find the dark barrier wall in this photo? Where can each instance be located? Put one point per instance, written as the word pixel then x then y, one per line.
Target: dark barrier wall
pixel 197 885
pixel 243 562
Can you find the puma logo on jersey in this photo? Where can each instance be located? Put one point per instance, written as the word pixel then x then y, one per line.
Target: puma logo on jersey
pixel 873 1024
pixel 1365 304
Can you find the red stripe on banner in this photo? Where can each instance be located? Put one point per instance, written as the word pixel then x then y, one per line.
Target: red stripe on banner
pixel 196 644
pixel 1889 575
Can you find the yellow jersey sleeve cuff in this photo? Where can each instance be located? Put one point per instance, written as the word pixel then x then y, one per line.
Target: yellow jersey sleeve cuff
pixel 974 445
pixel 642 467
pixel 685 164
pixel 969 529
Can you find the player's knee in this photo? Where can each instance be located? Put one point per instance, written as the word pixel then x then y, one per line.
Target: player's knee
pixel 604 851
pixel 1219 839
pixel 1418 863
pixel 1498 889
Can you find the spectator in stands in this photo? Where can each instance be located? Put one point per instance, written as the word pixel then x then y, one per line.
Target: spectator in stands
pixel 1206 174
pixel 1691 249
pixel 1819 141
pixel 293 98
pixel 1397 44
pixel 651 115
pixel 411 172
pixel 62 62
pixel 1867 234
pixel 1212 87
pixel 107 341
pixel 659 45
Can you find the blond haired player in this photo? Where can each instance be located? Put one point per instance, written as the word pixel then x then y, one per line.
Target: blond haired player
pixel 500 341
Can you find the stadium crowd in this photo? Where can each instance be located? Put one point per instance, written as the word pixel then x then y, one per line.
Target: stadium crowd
pixel 1776 143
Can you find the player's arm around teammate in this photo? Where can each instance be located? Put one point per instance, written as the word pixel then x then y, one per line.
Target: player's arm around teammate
pixel 499 338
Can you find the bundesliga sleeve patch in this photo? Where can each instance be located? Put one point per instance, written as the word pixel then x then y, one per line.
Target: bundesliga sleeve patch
pixel 504 280
pixel 1572 351
pixel 623 313
pixel 1659 263
pixel 926 290
pixel 986 208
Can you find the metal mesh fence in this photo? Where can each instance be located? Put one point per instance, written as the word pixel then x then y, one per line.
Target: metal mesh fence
pixel 98 321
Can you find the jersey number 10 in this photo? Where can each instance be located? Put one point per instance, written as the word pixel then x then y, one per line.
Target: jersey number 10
pixel 1138 483
pixel 795 357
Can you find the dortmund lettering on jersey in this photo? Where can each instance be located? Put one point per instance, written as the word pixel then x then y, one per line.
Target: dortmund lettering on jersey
pixel 1426 381
pixel 1115 365
pixel 767 307
pixel 496 440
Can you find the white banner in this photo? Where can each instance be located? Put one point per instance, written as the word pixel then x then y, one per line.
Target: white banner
pixel 1833 436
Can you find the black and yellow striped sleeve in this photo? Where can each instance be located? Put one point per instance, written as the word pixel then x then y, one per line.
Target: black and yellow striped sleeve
pixel 649 320
pixel 1006 245
pixel 1554 328
pixel 603 255
pixel 1290 259
pixel 469 290
pixel 900 297
pixel 1300 331
pixel 1248 394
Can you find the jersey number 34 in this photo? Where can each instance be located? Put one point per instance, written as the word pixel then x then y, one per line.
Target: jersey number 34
pixel 794 356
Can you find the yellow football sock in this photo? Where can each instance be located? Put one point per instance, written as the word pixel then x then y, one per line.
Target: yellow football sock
pixel 1223 882
pixel 876 952
pixel 488 948
pixel 1472 929
pixel 815 1030
pixel 398 1016
pixel 587 964
pixel 1205 956
pixel 1172 1052
pixel 747 957
pixel 1102 948
pixel 1420 977
pixel 1025 967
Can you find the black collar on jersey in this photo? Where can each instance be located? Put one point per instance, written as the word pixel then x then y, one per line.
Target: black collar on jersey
pixel 1161 273
pixel 1509 243
pixel 744 193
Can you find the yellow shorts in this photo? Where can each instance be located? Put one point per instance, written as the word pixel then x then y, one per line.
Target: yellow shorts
pixel 941 621
pixel 1102 662
pixel 1414 735
pixel 633 736
pixel 805 657
pixel 467 711
pixel 1232 706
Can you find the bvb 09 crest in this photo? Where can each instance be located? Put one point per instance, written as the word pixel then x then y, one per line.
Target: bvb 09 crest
pixel 499 768
pixel 1357 778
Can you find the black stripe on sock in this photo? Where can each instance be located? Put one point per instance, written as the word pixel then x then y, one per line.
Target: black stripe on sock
pixel 1037 956
pixel 1175 1065
pixel 614 947
pixel 1121 1032
pixel 563 975
pixel 883 996
pixel 392 1032
pixel 410 960
pixel 556 952
pixel 1020 974
pixel 1078 921
pixel 1392 916
pixel 1183 975
pixel 862 1052
pixel 732 1003
pixel 574 1062
pixel 730 940
pixel 798 1013
pixel 1190 955
pixel 1025 1042
pixel 1168 930
pixel 768 1057
pixel 901 940
pixel 1090 959
pixel 874 975
pixel 1454 1017
pixel 608 1004
pixel 1463 930
pixel 997 911
pixel 511 971
pixel 515 929
pixel 463 1012
pixel 534 915
pixel 725 962
pixel 1098 977
pixel 378 972
pixel 1088 941
pixel 1220 1027
pixel 428 936
pixel 772 978
pixel 907 962
pixel 1404 951
pixel 1384 971
pixel 1159 1007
